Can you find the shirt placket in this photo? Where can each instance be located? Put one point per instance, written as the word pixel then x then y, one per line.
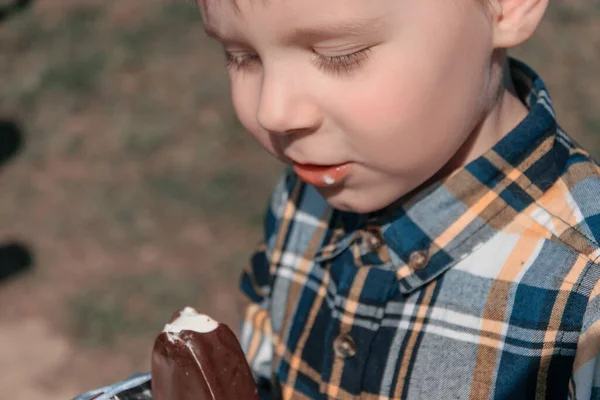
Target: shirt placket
pixel 361 298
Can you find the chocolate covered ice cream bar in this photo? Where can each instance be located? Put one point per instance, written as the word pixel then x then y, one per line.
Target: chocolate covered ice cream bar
pixel 197 358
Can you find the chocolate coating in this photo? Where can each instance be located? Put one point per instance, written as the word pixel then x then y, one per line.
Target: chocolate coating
pixel 196 366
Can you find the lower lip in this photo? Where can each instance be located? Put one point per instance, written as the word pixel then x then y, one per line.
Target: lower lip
pixel 322 176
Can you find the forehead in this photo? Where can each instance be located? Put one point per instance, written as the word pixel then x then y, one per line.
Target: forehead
pixel 211 10
pixel 206 5
pixel 223 14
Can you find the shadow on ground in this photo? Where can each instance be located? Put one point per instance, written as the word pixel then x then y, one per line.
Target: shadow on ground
pixel 15 258
pixel 11 140
pixel 6 11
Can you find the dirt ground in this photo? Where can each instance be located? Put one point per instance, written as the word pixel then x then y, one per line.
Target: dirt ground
pixel 133 191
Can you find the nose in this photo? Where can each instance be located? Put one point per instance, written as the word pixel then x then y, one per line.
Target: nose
pixel 286 106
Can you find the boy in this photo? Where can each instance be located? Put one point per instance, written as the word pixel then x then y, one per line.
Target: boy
pixel 436 236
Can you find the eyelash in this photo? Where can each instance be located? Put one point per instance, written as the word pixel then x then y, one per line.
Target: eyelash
pixel 335 65
pixel 344 64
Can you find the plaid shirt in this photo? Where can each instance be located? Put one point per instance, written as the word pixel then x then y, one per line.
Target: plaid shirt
pixel 485 285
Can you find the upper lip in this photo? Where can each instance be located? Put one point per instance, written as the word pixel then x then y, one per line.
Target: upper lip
pixel 320 164
pixel 315 164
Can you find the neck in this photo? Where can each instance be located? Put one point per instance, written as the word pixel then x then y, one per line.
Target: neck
pixel 503 113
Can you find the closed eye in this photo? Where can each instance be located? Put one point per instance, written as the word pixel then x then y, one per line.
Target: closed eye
pixel 342 64
pixel 240 61
pixel 336 65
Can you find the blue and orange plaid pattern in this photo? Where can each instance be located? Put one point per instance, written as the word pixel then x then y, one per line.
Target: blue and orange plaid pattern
pixel 484 285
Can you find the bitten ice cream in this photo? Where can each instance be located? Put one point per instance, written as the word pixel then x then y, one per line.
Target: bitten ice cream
pixel 197 358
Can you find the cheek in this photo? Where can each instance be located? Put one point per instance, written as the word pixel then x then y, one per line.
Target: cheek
pixel 392 116
pixel 245 102
pixel 420 111
pixel 245 95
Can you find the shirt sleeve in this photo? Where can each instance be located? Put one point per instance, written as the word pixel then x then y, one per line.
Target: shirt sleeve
pixel 256 280
pixel 585 382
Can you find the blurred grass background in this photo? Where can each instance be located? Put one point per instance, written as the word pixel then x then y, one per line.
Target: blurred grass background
pixel 136 191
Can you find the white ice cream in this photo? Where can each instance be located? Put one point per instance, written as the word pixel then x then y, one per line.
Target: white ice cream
pixel 328 180
pixel 190 320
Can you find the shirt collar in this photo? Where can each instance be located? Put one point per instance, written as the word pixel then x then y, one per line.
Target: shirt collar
pixel 450 218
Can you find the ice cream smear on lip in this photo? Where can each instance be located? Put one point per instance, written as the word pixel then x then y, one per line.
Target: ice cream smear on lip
pixel 328 180
pixel 190 320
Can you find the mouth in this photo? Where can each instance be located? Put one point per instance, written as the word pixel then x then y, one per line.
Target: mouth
pixel 322 175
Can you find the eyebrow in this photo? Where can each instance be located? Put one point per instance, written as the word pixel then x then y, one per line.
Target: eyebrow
pixel 352 27
pixel 213 33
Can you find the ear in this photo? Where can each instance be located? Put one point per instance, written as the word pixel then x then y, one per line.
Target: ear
pixel 515 21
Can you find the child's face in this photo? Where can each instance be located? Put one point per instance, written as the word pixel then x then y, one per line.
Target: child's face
pixel 391 89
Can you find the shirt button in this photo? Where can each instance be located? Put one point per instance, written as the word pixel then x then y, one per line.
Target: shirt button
pixel 418 260
pixel 373 243
pixel 373 240
pixel 344 346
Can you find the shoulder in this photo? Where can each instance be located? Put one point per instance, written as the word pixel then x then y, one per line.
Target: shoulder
pixel 582 178
pixel 565 221
pixel 571 206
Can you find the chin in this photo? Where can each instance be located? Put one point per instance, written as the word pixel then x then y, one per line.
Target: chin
pixel 355 201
